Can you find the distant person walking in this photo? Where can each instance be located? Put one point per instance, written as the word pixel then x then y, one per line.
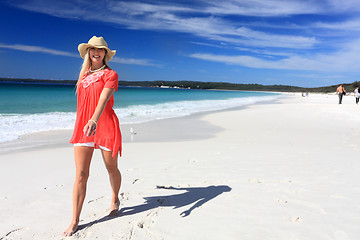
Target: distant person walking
pixel 96 125
pixel 357 95
pixel 341 92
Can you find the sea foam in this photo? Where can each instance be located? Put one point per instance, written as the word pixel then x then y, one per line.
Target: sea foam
pixel 15 125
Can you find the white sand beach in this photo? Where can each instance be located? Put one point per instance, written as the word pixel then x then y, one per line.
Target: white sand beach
pixel 273 171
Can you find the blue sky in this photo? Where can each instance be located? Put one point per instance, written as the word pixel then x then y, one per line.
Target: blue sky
pixel 305 43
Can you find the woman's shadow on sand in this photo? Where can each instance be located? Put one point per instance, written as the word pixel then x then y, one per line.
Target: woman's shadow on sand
pixel 192 195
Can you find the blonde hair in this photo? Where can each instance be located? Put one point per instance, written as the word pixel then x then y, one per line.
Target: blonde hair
pixel 87 64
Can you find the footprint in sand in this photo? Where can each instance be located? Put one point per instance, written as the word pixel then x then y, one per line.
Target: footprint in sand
pixel 296 219
pixel 92 215
pixel 13 232
pixel 337 196
pixel 281 201
pixel 141 224
pixel 52 187
pixel 253 180
pixel 95 200
pixel 124 196
pixel 133 169
pixel 193 160
pixel 144 226
pixel 137 180
pixel 285 181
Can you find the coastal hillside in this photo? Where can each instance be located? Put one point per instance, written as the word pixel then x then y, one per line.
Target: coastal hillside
pixel 196 85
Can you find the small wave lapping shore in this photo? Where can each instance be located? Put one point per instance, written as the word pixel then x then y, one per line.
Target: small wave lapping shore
pixel 15 125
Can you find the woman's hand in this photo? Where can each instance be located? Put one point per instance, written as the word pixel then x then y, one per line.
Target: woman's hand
pixel 90 128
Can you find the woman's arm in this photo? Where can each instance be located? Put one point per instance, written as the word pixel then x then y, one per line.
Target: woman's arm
pixel 90 127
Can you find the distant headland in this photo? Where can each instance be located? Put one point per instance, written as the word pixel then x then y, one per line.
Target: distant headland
pixel 191 85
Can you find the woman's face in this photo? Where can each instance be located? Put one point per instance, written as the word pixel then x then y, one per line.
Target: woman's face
pixel 97 55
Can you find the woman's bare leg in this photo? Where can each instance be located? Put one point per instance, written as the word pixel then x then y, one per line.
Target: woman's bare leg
pixel 115 180
pixel 82 156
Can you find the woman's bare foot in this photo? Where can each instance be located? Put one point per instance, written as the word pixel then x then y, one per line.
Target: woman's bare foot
pixel 114 211
pixel 71 229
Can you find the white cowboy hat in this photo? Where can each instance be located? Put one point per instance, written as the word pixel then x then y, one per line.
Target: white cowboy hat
pixel 97 42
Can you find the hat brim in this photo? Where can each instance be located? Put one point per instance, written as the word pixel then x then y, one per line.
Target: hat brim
pixel 84 46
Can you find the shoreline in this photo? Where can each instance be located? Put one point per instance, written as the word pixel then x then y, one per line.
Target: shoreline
pixel 156 130
pixel 19 124
pixel 161 130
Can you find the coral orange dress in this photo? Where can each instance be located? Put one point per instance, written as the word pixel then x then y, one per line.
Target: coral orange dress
pixel 88 94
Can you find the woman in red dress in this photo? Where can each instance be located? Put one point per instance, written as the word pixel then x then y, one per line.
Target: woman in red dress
pixel 97 125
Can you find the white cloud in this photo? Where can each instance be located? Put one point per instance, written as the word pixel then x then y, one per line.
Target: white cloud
pixel 140 8
pixel 341 6
pixel 349 25
pixel 132 61
pixel 258 8
pixel 317 76
pixel 28 48
pixel 263 8
pixel 346 59
pixel 204 19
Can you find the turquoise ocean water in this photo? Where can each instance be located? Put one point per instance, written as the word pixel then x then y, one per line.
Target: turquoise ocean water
pixel 33 108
